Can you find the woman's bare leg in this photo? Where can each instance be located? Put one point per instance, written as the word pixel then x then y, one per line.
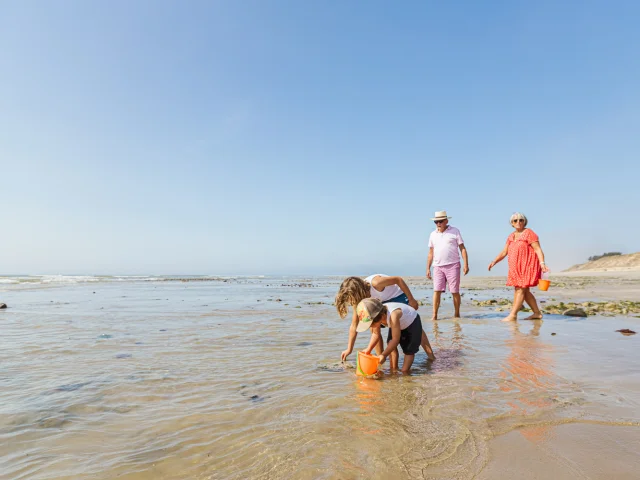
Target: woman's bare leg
pixel 518 300
pixel 531 301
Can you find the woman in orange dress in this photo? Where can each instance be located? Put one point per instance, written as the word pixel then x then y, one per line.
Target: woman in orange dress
pixel 526 264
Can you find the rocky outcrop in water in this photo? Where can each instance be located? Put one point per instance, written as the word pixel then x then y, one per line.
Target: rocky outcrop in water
pixel 491 303
pixel 3 305
pixel 607 309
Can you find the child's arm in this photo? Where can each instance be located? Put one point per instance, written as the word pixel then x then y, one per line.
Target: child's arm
pixel 375 338
pixel 379 283
pixel 352 336
pixel 396 331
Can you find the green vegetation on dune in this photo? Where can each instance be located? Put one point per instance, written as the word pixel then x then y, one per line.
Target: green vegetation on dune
pixel 608 254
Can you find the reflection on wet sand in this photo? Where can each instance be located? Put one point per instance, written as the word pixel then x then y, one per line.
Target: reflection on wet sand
pixel 528 377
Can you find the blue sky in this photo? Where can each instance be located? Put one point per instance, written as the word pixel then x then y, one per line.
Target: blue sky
pixel 312 137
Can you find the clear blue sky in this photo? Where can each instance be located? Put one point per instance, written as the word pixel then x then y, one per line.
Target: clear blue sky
pixel 312 136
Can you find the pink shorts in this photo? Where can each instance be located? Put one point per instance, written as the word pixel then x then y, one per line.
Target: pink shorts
pixel 447 275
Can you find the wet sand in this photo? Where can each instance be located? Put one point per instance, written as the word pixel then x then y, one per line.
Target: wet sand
pixel 567 451
pixel 242 379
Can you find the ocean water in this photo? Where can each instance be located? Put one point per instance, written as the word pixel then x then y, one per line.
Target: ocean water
pixel 240 377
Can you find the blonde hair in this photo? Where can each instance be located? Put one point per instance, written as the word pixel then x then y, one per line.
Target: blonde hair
pixel 352 291
pixel 518 216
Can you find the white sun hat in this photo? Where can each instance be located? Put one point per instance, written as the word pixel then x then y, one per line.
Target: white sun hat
pixel 440 215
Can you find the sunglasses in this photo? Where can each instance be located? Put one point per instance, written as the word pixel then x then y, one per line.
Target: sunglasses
pixel 438 221
pixel 518 220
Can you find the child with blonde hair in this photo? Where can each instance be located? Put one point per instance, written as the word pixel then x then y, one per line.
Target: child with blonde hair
pixel 382 287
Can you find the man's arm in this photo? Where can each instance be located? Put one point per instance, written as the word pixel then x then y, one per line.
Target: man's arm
pixel 429 262
pixel 465 258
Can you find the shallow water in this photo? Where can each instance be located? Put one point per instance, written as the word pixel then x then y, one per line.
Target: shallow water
pixel 142 379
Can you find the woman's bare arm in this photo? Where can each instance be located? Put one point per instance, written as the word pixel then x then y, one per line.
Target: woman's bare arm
pixel 538 249
pixel 499 258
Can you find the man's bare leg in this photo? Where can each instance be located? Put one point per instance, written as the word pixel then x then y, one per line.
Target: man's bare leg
pixel 436 304
pixel 457 300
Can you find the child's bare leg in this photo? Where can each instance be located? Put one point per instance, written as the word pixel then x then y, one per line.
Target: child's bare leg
pixel 380 346
pixel 427 346
pixel 406 364
pixel 393 359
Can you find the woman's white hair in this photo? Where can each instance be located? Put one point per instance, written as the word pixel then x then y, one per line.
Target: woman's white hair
pixel 518 216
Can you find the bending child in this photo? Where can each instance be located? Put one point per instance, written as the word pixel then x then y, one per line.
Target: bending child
pixel 383 287
pixel 405 329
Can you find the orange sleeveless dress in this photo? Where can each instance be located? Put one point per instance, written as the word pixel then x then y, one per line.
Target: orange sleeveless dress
pixel 524 266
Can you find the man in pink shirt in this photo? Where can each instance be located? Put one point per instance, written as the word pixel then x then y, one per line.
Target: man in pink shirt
pixel 444 244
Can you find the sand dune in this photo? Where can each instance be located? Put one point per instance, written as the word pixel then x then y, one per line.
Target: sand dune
pixel 617 263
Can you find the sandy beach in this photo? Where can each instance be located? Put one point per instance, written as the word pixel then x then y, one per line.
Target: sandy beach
pixel 175 379
pixel 599 285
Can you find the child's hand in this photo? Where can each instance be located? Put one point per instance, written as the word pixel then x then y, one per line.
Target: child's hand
pixel 345 354
pixel 381 358
pixel 413 304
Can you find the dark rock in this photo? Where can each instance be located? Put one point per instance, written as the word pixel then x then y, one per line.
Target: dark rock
pixel 626 331
pixel 553 333
pixel 3 305
pixel 71 387
pixel 53 422
pixel 304 344
pixel 575 312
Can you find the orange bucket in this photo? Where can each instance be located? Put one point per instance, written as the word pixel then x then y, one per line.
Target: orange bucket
pixel 544 284
pixel 366 364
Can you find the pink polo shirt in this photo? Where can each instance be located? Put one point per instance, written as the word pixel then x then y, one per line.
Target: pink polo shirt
pixel 445 246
